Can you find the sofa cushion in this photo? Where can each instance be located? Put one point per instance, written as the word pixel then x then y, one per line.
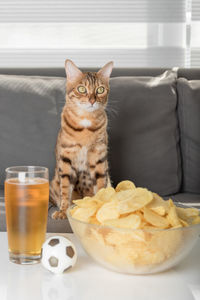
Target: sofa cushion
pixel 189 118
pixel 57 225
pixel 187 198
pixel 143 135
pixel 29 120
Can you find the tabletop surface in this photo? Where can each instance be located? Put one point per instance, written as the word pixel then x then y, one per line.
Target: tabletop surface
pixel 89 281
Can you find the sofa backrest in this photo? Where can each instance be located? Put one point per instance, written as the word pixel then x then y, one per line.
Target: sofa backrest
pixel 144 135
pixel 30 109
pixel 189 123
pixel 188 73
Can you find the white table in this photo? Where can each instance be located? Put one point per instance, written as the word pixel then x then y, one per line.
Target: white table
pixel 89 281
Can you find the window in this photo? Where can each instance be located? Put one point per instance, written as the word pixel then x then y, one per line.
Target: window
pixel 195 34
pixel 133 33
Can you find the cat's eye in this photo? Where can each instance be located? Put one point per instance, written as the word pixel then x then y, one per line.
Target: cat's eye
pixel 100 90
pixel 81 89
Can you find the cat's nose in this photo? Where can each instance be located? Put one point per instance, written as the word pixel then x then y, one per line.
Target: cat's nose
pixel 92 101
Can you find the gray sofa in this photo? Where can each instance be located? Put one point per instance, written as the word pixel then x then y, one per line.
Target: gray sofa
pixel 154 128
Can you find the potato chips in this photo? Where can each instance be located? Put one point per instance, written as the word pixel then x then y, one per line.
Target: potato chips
pixel 125 185
pixel 172 215
pixel 84 213
pixel 108 211
pixel 132 222
pixel 154 219
pixel 132 225
pixel 131 207
pixel 158 205
pixel 130 201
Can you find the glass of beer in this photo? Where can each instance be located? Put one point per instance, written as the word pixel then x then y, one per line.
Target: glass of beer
pixel 26 200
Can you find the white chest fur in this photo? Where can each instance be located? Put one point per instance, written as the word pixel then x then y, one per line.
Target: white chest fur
pixel 85 123
pixel 82 158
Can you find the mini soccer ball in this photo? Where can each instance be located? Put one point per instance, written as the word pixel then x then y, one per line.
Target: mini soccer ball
pixel 58 254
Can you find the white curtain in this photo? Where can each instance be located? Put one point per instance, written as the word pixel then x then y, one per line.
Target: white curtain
pixel 133 33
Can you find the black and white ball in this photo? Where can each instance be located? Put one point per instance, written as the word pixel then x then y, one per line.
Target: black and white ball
pixel 58 254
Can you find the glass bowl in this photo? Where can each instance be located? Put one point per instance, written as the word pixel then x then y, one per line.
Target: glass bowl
pixel 138 251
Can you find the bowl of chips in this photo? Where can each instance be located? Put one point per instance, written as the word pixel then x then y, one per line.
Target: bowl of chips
pixel 132 230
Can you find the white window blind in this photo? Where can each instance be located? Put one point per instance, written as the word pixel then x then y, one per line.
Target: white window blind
pixel 133 33
pixel 195 34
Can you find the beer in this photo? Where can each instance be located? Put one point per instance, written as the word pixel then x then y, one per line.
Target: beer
pixel 26 215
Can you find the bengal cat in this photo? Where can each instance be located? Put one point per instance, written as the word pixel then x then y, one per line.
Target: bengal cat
pixel 81 149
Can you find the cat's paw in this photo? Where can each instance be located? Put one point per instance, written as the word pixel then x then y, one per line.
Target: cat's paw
pixel 59 215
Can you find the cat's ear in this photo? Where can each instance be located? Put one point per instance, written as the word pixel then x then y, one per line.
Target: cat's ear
pixel 72 71
pixel 106 70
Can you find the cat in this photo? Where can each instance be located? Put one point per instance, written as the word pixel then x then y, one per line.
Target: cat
pixel 81 149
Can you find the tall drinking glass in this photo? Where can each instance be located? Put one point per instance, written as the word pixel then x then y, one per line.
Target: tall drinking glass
pixel 26 199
